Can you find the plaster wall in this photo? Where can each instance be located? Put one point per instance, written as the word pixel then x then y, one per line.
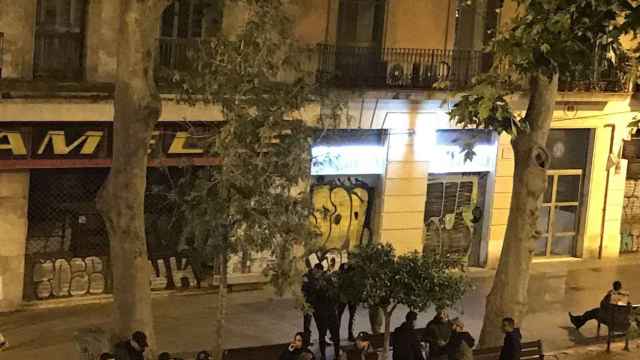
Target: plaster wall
pixel 17 21
pixel 14 192
pixel 422 24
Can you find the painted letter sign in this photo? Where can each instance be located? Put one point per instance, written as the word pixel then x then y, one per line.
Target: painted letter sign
pixel 46 145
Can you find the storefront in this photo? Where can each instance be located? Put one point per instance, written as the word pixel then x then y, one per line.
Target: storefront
pixel 457 212
pixel 66 251
pixel 347 170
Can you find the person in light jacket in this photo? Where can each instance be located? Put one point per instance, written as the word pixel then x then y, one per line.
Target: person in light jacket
pixel 461 343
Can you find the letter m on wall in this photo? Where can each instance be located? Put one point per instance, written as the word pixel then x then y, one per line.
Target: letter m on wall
pixel 89 141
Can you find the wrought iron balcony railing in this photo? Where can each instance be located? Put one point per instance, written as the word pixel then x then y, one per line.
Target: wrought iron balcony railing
pixel 607 76
pixel 396 68
pixel 59 56
pixel 399 68
pixel 173 53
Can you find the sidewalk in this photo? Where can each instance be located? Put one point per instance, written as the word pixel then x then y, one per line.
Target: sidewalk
pixel 185 323
pixel 599 353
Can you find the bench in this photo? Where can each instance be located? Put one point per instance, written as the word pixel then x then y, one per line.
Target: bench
pixel 267 352
pixel 617 320
pixel 377 340
pixel 529 351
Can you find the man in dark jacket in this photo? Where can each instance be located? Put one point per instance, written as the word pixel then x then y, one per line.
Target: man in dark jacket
pixel 615 296
pixel 132 349
pixel 310 283
pixel 512 340
pixel 461 343
pixel 346 301
pixel 324 302
pixel 437 334
pixel 406 345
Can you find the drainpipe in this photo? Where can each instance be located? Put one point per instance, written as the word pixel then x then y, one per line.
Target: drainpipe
pixel 446 30
pixel 606 190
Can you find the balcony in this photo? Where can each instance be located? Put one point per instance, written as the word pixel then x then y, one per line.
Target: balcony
pixel 59 56
pixel 361 67
pixel 606 76
pixel 173 53
pixel 408 69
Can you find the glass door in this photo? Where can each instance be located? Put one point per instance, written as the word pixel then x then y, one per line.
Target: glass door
pixel 558 220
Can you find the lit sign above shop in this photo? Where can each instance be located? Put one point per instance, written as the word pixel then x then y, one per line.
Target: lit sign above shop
pixel 348 160
pixel 449 158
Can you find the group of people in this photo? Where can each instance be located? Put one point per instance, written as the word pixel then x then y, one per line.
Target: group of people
pixel 446 339
pixel 319 288
pixel 134 348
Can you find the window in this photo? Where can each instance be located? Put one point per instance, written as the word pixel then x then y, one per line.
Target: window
pixel 183 22
pixel 59 39
pixel 360 22
pixel 187 19
pixel 476 23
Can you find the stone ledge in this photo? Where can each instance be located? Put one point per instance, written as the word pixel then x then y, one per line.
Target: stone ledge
pixel 236 283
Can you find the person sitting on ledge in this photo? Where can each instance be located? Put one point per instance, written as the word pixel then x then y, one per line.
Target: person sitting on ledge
pixel 615 296
pixel 3 343
pixel 295 349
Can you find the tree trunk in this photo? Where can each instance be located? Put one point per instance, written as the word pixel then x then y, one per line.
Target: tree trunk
pixel 387 335
pixel 245 260
pixel 137 108
pixel 218 347
pixel 376 317
pixel 508 296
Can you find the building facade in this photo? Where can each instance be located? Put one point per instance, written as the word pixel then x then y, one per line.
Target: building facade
pixel 396 172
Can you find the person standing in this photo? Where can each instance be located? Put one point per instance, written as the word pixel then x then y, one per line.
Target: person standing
pixel 346 297
pixel 406 345
pixel 461 343
pixel 512 340
pixel 324 306
pixel 437 333
pixel 309 287
pixel 132 349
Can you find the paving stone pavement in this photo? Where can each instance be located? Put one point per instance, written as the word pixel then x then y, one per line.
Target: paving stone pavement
pixel 184 324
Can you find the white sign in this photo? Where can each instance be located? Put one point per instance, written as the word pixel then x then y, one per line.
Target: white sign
pixel 348 160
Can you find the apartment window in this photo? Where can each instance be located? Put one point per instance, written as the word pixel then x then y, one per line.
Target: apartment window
pixel 361 22
pixel 59 39
pixel 183 23
pixel 186 19
pixel 476 23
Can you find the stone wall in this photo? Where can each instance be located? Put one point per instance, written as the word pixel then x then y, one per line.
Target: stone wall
pixel 631 217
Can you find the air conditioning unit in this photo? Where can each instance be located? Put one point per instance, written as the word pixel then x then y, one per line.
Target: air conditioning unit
pixel 395 74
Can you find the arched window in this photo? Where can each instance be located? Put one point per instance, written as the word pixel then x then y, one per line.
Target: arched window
pixel 183 22
pixel 186 19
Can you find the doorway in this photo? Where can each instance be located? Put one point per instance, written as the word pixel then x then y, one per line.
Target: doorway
pixel 561 214
pixel 558 219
